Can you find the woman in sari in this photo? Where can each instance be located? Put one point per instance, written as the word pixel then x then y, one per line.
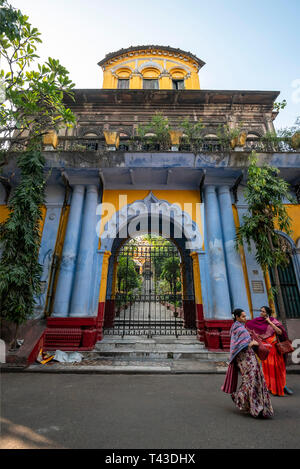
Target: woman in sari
pixel 252 396
pixel 270 331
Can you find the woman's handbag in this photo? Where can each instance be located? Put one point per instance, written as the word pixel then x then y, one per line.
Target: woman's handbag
pixel 262 350
pixel 284 347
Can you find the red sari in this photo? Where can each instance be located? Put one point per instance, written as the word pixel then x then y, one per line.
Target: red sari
pixel 274 366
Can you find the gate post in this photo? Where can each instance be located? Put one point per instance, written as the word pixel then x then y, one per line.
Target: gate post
pixel 198 296
pixel 102 294
pixel 109 317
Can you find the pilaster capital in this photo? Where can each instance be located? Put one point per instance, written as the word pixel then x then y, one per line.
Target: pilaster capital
pixel 106 256
pixel 194 255
pixel 209 188
pixel 91 188
pixel 223 190
pixel 78 188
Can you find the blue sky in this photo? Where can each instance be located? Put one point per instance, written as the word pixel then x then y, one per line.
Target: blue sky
pixel 246 44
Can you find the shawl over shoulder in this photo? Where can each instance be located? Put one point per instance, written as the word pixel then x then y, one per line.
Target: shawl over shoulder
pixel 264 330
pixel 239 339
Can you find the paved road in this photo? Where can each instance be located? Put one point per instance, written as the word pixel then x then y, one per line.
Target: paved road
pixel 142 412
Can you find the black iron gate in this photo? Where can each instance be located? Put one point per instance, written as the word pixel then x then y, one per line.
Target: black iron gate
pixel 289 288
pixel 148 294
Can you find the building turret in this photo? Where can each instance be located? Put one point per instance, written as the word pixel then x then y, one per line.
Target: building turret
pixel 151 67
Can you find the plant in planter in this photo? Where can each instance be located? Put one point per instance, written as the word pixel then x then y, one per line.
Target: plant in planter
pixel 231 138
pixel 270 141
pixel 291 135
pixel 193 135
pixel 295 140
pixel 156 133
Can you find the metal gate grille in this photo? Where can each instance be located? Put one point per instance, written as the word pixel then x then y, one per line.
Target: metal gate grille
pixel 148 297
pixel 289 288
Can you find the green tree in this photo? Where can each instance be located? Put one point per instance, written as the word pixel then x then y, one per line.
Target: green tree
pixel 171 272
pixel 128 278
pixel 8 20
pixel 264 194
pixel 32 104
pixel 32 99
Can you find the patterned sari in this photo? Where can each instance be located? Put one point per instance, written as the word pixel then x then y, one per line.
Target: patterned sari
pixel 252 396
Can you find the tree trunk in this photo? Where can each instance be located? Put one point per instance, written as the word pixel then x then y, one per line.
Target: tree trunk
pixel 281 306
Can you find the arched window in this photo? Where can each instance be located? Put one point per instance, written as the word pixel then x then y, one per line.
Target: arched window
pixel 92 145
pixel 150 78
pixel 123 75
pixel 124 143
pixel 178 75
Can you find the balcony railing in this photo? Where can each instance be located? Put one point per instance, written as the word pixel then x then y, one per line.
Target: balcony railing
pixel 78 144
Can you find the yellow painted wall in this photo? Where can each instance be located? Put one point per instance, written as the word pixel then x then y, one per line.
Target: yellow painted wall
pixel 294 213
pixel 4 211
pixel 187 200
pixel 176 68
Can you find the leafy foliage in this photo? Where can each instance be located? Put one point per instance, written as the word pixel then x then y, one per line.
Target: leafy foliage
pixel 264 195
pixel 20 238
pixel 8 20
pixel 156 132
pixel 193 134
pixel 31 105
pixel 32 100
pixel 128 278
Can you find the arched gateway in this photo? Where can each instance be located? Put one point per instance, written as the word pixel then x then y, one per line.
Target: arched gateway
pixel 149 288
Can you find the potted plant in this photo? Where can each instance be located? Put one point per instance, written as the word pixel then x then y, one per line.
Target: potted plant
pixel 295 140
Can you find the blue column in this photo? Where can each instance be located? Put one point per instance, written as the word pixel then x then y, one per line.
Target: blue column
pixel 46 254
pixel 236 279
pixel 205 284
pixel 68 261
pixel 220 301
pixel 84 268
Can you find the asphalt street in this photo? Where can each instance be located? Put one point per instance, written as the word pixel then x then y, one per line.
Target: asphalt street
pixel 137 411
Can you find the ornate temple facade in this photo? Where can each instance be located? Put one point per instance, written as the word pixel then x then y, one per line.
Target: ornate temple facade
pixel 106 186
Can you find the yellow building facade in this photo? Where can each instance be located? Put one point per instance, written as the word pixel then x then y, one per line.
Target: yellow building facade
pixel 151 67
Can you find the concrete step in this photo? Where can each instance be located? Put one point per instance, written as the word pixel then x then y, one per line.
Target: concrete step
pixel 159 354
pixel 153 344
pixel 155 348
pixel 107 366
pixel 147 347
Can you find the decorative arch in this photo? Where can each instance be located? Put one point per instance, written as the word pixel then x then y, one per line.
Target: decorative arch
pixel 155 66
pixel 123 72
pixel 90 134
pixel 89 131
pixel 295 256
pixel 122 68
pixel 141 209
pixel 290 278
pixel 178 73
pixel 150 72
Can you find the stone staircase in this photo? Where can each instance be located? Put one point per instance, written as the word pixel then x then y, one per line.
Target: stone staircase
pixel 141 355
pixel 159 354
pixel 155 348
